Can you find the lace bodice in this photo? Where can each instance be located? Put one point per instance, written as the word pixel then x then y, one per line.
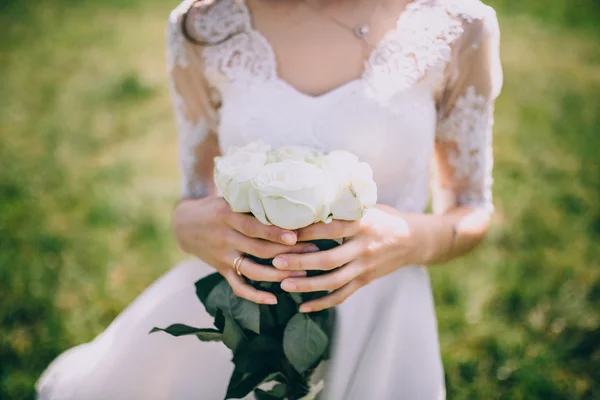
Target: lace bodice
pixel 427 93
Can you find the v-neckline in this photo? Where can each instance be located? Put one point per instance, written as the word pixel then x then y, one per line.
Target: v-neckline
pixel 337 89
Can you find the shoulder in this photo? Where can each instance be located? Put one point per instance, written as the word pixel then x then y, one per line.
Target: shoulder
pixel 470 10
pixel 208 21
pixel 478 19
pixel 476 51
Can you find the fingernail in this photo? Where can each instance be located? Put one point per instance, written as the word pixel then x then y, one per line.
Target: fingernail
pixel 305 309
pixel 288 286
pixel 310 249
pixel 280 262
pixel 288 238
pixel 270 300
pixel 298 274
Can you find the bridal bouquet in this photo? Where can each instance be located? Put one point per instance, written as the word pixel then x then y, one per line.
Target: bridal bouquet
pixel 276 348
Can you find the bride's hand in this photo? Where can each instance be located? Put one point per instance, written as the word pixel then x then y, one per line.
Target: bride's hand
pixel 373 247
pixel 209 230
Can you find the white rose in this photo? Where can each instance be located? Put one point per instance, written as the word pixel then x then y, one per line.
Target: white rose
pixel 290 194
pixel 355 190
pixel 339 161
pixel 296 153
pixel 233 175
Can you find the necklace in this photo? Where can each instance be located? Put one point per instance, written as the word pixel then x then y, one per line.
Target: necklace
pixel 360 30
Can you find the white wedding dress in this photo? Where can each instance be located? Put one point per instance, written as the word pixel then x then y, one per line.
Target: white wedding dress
pixel 426 94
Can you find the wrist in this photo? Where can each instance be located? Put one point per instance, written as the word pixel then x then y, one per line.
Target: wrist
pixel 433 238
pixel 186 210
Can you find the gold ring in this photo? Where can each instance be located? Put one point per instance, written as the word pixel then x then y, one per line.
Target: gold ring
pixel 237 263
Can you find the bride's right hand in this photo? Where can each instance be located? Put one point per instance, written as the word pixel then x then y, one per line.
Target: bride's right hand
pixel 209 230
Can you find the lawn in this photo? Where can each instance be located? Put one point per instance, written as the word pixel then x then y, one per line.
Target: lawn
pixel 88 179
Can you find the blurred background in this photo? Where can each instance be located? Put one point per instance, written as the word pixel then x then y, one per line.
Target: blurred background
pixel 88 179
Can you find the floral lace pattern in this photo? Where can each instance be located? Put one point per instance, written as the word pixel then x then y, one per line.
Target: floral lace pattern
pixel 238 58
pixel 469 128
pixel 191 131
pixel 409 52
pixel 232 19
pixel 243 58
pixel 176 50
pixel 421 42
pixel 420 45
pixel 234 49
pixel 190 135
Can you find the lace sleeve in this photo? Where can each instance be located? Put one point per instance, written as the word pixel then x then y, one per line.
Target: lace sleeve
pixel 195 106
pixel 463 173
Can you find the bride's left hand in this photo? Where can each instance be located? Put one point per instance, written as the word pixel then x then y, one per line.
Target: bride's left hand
pixel 373 247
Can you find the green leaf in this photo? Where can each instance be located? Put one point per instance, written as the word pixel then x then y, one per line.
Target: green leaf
pixel 204 334
pixel 304 342
pixel 314 295
pixel 326 321
pixel 233 334
pixel 210 335
pixel 241 384
pixel 268 324
pixel 277 393
pixel 285 308
pixel 219 320
pixel 244 312
pixel 266 286
pixel 205 286
pixel 263 353
pixel 325 244
pixel 297 297
pixel 261 261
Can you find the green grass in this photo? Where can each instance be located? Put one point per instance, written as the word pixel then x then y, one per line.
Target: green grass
pixel 88 179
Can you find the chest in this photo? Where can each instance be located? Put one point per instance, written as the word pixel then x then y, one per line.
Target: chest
pixel 317 48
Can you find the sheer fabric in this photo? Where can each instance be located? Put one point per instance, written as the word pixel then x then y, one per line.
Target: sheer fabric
pixel 427 92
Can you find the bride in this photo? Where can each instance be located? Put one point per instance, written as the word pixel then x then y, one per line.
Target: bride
pixel 399 83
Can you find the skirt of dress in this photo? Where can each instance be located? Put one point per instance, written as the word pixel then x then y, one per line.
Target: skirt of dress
pixel 386 347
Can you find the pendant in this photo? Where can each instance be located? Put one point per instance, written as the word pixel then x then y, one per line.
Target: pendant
pixel 361 30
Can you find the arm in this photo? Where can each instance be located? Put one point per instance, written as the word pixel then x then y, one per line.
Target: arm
pixel 195 111
pixel 463 153
pixel 462 192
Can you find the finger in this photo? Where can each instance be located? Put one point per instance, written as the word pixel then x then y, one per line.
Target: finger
pixel 332 299
pixel 336 229
pixel 264 249
pixel 322 260
pixel 251 227
pixel 242 289
pixel 265 273
pixel 331 281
